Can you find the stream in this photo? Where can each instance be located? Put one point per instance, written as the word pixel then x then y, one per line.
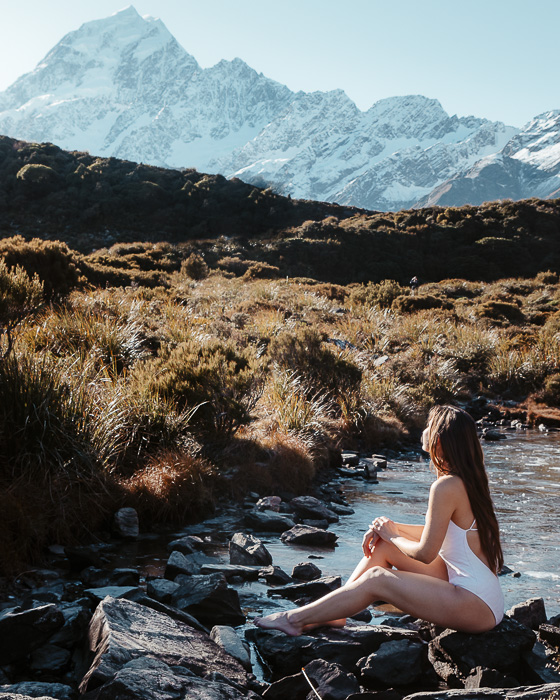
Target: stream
pixel 524 475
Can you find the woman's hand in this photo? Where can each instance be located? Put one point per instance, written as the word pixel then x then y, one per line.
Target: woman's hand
pixel 384 528
pixel 368 542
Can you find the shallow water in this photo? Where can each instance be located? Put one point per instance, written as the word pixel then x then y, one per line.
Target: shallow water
pixel 524 475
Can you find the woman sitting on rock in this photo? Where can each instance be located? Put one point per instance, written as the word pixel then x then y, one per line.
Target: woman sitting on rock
pixel 444 571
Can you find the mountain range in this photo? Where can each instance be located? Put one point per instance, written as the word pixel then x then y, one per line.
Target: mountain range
pixel 124 87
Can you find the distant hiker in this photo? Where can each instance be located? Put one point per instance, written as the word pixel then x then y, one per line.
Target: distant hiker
pixel 414 284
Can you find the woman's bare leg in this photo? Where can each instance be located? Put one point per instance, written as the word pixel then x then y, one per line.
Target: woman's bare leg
pixel 388 556
pixel 423 596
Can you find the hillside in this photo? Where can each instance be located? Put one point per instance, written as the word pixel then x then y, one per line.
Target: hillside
pixel 91 203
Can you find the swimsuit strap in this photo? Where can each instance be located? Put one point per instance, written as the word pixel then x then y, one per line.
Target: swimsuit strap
pixel 471 527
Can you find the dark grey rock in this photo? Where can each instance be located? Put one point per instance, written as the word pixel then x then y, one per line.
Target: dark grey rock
pixel 232 644
pixel 210 600
pixel 550 634
pixel 246 573
pixel 173 613
pixel 306 571
pixel 268 521
pixel 530 613
pixel 76 620
pixel 186 545
pixel 531 692
pixel 178 563
pixel 492 435
pixel 318 524
pixel 341 509
pixel 22 631
pixel 37 689
pixel 50 658
pixel 274 576
pixel 350 459
pixel 303 534
pixel 271 503
pixel 331 680
pixel 311 589
pixel 541 665
pixel 125 524
pixel 162 589
pixel 481 677
pixel 399 662
pixel 122 631
pixel 294 687
pixel 454 654
pixel 124 577
pixel 113 592
pixel 311 508
pixel 248 550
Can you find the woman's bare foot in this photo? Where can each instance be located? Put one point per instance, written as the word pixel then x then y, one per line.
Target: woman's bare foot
pixel 279 621
pixel 332 623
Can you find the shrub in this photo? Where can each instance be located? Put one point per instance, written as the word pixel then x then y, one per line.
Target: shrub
pixel 547 277
pixel 381 294
pixel 38 179
pixel 216 380
pixel 550 393
pixel 500 311
pixel 19 294
pixel 53 262
pixel 408 304
pixel 260 271
pixel 194 267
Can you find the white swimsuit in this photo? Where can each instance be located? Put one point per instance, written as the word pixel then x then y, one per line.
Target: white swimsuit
pixel 466 570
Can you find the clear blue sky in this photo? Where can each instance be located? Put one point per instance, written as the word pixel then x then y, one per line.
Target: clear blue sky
pixel 491 58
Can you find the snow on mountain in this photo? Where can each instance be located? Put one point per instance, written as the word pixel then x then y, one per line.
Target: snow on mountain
pixel 527 166
pixel 122 86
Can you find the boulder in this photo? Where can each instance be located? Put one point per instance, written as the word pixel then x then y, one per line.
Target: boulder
pixel 162 589
pixel 318 524
pixel 309 589
pixel 306 571
pixel 400 662
pixel 311 508
pixel 35 689
pixel 294 686
pixel 209 599
pixel 147 678
pixel 232 644
pixel 481 677
pixel 179 563
pixel 305 535
pixel 341 509
pixel 274 576
pixel 541 665
pixel 76 619
pixel 268 521
pixel 22 631
pixel 330 680
pixel 550 634
pixel 269 503
pixel 186 545
pixel 248 551
pixel 350 459
pixel 454 654
pixel 173 613
pixel 113 591
pixel 125 524
pixel 122 631
pixel 530 613
pixel 50 658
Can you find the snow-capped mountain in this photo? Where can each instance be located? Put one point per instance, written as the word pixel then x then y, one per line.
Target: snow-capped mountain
pixel 122 86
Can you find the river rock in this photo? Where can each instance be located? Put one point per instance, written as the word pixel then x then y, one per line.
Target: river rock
pixel 294 686
pixel 492 435
pixel 186 545
pixel 209 599
pixel 125 524
pixel 274 576
pixel 530 692
pixel 399 662
pixel 146 678
pixel 454 654
pixel 179 563
pixel 541 665
pixel 303 534
pixel 311 508
pixel 122 631
pixel 317 524
pixel 248 551
pixel 50 658
pixel 113 592
pixel 269 503
pixel 530 613
pixel 76 620
pixel 308 589
pixel 331 680
pixel 232 644
pixel 173 613
pixel 306 571
pixel 341 509
pixel 246 573
pixel 268 521
pixel 350 459
pixel 481 677
pixel 550 634
pixel 36 689
pixel 162 589
pixel 22 631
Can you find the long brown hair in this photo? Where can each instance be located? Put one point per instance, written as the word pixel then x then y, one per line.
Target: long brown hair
pixel 463 456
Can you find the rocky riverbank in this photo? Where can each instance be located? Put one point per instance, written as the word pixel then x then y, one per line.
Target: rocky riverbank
pixel 82 628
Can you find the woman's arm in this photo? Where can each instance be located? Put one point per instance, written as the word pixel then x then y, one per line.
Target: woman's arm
pixel 411 532
pixel 441 505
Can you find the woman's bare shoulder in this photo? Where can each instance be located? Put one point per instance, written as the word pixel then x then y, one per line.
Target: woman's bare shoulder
pixel 447 485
